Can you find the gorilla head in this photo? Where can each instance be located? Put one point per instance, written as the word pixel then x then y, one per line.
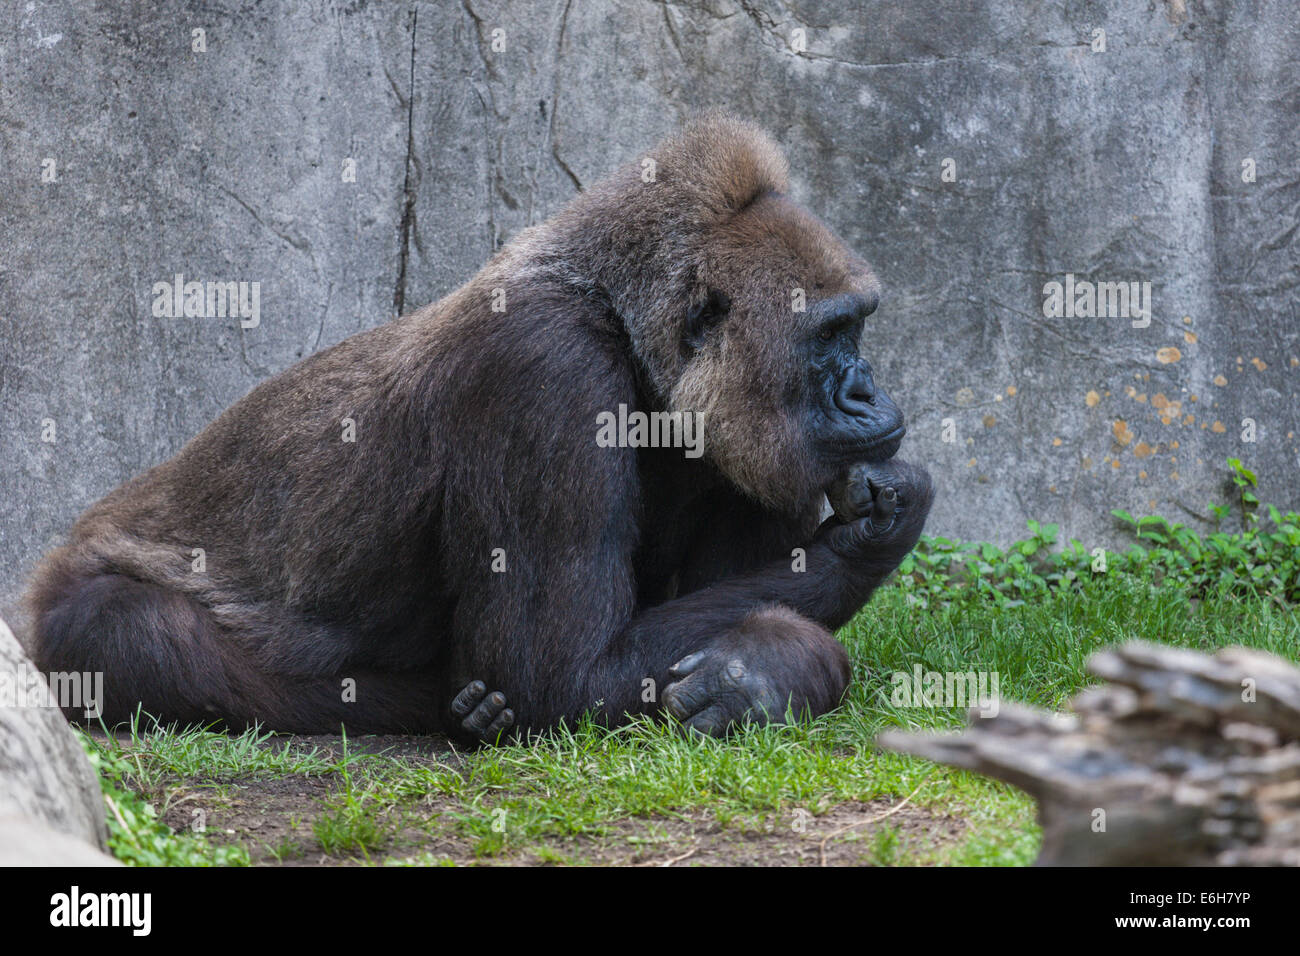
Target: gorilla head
pixel 775 357
pixel 745 307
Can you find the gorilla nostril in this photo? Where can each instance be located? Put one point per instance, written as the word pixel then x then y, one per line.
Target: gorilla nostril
pixel 857 392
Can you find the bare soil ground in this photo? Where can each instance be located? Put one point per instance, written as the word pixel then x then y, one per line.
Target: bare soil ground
pixel 275 820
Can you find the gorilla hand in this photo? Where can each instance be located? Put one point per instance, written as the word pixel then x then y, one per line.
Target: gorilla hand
pixel 775 663
pixel 484 716
pixel 880 509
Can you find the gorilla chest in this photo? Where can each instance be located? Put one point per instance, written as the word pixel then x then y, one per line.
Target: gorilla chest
pixel 674 513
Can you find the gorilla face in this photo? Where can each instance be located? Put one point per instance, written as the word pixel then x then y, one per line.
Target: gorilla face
pixel 851 419
pixel 772 355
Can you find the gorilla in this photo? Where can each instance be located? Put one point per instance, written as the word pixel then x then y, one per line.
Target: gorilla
pixel 417 530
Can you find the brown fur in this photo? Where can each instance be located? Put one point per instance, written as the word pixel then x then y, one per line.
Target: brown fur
pixel 328 560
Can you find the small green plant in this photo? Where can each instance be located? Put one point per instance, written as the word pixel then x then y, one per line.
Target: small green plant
pixel 885 846
pixel 355 822
pixel 352 826
pixel 1245 480
pixel 1261 561
pixel 286 849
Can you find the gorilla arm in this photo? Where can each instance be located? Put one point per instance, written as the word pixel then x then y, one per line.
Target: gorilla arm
pixel 751 669
pixel 756 641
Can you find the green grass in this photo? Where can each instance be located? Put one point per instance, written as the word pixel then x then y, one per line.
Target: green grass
pixel 1031 613
pixel 136 835
pixel 584 784
pixel 194 752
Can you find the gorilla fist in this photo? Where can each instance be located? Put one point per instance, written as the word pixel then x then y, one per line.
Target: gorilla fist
pixel 880 509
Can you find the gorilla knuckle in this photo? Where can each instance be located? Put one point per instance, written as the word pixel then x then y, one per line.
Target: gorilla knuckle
pixel 735 672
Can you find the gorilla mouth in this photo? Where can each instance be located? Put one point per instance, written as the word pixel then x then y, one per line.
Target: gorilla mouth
pixel 884 447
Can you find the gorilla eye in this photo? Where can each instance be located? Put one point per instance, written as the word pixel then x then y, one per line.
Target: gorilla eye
pixel 703 317
pixel 832 330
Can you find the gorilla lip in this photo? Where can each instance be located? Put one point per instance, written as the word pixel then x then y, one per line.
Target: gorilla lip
pixel 889 444
pixel 894 438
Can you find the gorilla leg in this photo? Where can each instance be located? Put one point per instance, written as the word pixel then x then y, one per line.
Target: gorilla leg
pixel 156 647
pixel 163 652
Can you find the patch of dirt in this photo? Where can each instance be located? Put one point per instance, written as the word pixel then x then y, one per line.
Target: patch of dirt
pixel 275 818
pixel 875 832
pixel 272 818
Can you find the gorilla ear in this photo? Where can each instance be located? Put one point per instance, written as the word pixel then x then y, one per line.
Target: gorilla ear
pixel 702 318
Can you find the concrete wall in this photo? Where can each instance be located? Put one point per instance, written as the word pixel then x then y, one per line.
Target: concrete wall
pixel 1117 165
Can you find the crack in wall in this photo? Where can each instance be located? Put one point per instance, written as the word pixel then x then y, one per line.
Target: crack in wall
pixel 555 102
pixel 491 178
pixel 408 187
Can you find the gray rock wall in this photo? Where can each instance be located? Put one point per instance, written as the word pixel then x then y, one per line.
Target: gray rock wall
pixel 227 164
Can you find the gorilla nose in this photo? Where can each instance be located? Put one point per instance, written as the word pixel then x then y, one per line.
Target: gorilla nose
pixel 857 392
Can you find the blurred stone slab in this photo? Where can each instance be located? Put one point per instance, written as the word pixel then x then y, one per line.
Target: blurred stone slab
pixel 47 785
pixel 1180 759
pixel 27 842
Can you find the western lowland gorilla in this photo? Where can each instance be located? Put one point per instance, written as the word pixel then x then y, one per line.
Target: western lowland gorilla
pixel 589 479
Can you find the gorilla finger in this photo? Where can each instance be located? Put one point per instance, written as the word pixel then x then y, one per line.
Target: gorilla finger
pixel 885 506
pixel 769 709
pixel 711 722
pixel 686 664
pixel 912 481
pixel 485 713
pixel 686 696
pixel 851 538
pixel 850 497
pixel 894 473
pixel 504 721
pixel 468 698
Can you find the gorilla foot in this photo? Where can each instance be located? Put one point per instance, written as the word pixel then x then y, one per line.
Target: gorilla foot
pixel 484 716
pixel 773 665
pixel 714 691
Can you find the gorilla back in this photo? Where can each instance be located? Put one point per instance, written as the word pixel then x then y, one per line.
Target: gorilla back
pixel 385 531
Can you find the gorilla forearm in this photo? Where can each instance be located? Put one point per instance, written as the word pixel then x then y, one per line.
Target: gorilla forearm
pixel 881 509
pixel 846 562
pixel 753 615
